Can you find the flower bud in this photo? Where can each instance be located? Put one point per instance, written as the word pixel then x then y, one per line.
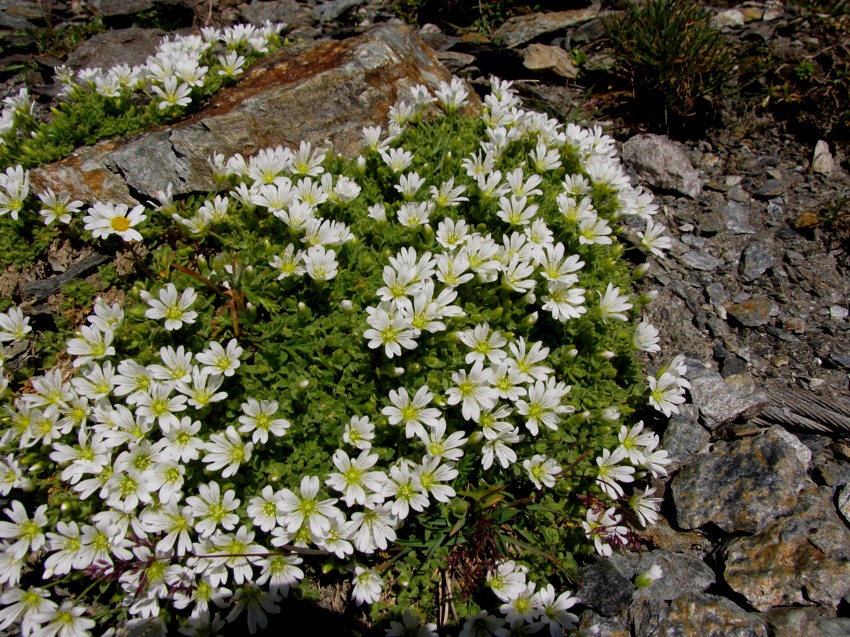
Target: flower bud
pixel 572 353
pixel 648 577
pixel 303 383
pixel 606 354
pixel 531 319
pixel 346 306
pixel 529 298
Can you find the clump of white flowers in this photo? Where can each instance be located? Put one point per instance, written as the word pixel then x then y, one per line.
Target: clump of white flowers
pixel 171 458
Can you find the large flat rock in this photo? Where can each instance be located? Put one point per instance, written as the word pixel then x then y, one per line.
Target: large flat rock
pixel 322 91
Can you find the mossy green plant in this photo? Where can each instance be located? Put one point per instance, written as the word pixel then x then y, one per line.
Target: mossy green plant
pixel 417 369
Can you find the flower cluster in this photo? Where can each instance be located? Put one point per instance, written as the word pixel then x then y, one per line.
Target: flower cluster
pixel 412 344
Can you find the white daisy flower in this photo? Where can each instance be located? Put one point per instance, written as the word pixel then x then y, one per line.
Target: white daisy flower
pixel 105 219
pixel 175 311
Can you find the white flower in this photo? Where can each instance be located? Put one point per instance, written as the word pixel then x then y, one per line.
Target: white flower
pixel 91 344
pixel 541 470
pixel 666 393
pixel 448 194
pixel 217 360
pixel 473 391
pixel 645 338
pixel 451 97
pixel 22 606
pixel 290 264
pixel 258 417
pixel 304 508
pixel 409 184
pixel 257 603
pixel 14 326
pixel 484 625
pixel 27 533
pixel 485 345
pixel 359 432
pixel 554 611
pixel 213 509
pixel 653 574
pixel 412 214
pixel 634 441
pixel 515 210
pixel 227 452
pixel 202 391
pixel 367 586
pixel 653 238
pixel 431 476
pixel 438 445
pixel 307 161
pixel 175 311
pixel 321 264
pixel 411 626
pixel 58 207
pixel 157 405
pixel 354 477
pixel 507 581
pixel 610 472
pixel 524 608
pixel 612 305
pixel 645 506
pixel 374 527
pixel 592 229
pixel 392 331
pixel 564 301
pixel 172 94
pixel 396 158
pixel 105 219
pixel 544 405
pixel 407 490
pixel 64 621
pixel 498 447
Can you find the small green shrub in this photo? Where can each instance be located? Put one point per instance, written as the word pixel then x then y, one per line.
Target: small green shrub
pixel 671 55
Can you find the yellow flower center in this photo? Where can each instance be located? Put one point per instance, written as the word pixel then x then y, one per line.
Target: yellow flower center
pixel 120 224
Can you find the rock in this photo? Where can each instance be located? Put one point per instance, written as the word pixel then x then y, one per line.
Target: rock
pixel 41 289
pixel 682 439
pixel 325 90
pixel 729 18
pixel 333 9
pixel 662 164
pixel 736 218
pixel 835 627
pixel 118 46
pixel 603 588
pixel 793 622
pixel 699 260
pixel 717 401
pixel 710 616
pixel 755 261
pixel 664 537
pixel 525 28
pixel 455 61
pixel 113 8
pixel 844 502
pixel 16 15
pixel 682 574
pixel 549 59
pixel 742 485
pixel 753 312
pixel 293 13
pixel 646 615
pixel 596 624
pixel 772 188
pixel 822 161
pixel 801 558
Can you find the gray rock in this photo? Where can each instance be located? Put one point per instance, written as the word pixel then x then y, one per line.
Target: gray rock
pixel 320 91
pixel 794 622
pixel 833 627
pixel 113 8
pixel 699 260
pixel 753 312
pixel 717 401
pixel 844 502
pixel 525 28
pixel 772 188
pixel 552 60
pixel 755 261
pixel 682 439
pixel 799 558
pixel 293 13
pixel 118 46
pixel 736 218
pixel 662 163
pixel 822 161
pixel 333 9
pixel 616 626
pixel 603 588
pixel 742 485
pixel 710 616
pixel 646 615
pixel 41 289
pixel 17 14
pixel 682 574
